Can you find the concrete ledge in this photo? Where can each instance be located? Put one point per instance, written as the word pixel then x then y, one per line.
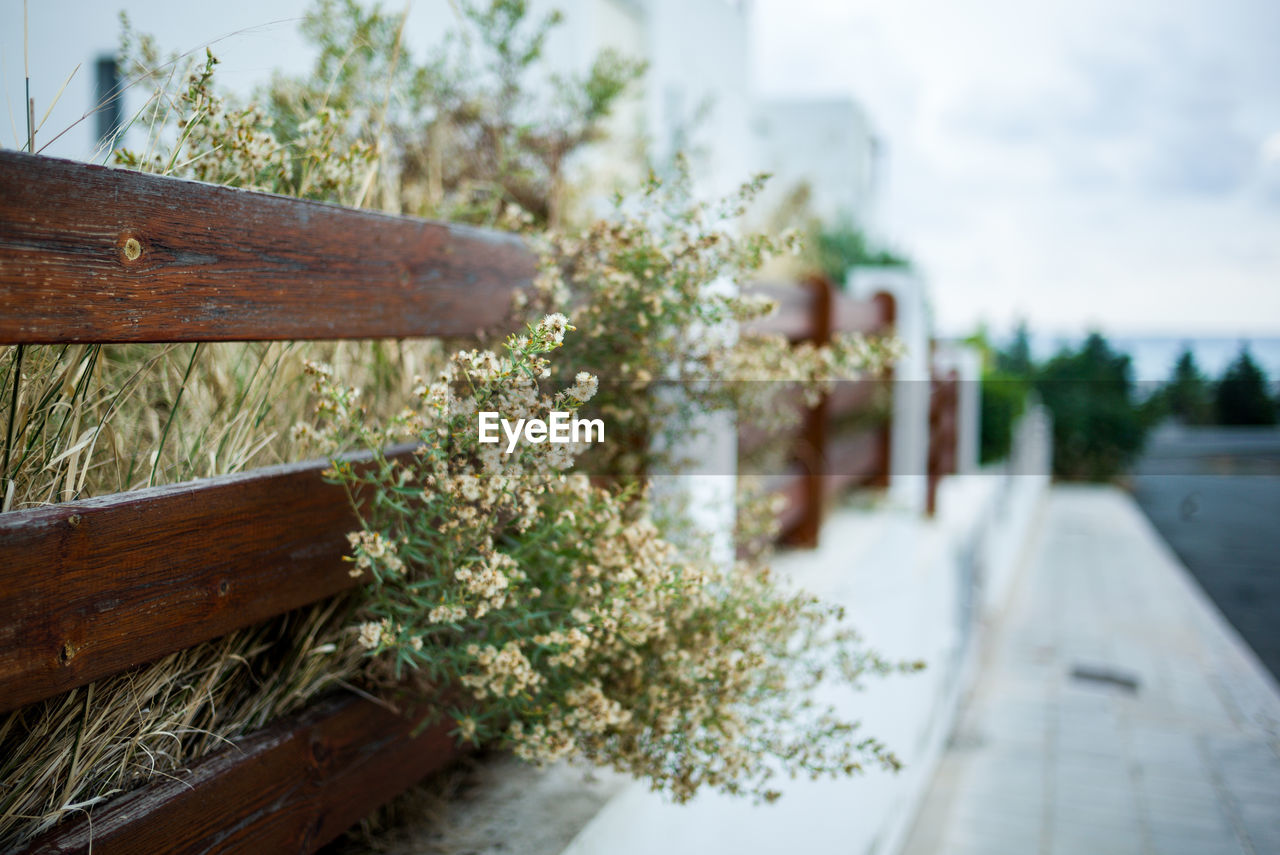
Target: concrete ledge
pixel 907 585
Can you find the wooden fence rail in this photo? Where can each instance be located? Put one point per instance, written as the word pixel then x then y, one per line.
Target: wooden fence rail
pixel 291 787
pixel 93 587
pixel 826 456
pixel 96 586
pixel 96 255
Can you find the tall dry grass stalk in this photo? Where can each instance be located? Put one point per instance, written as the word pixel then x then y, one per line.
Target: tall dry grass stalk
pixel 97 419
pixel 93 420
pixel 64 755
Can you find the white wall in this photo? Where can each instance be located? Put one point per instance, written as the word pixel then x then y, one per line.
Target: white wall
pixel 698 96
pixel 697 50
pixel 251 39
pixel 966 362
pixel 825 144
pixel 909 431
pixel 914 588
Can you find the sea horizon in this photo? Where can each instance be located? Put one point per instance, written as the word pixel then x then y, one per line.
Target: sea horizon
pixel 1153 354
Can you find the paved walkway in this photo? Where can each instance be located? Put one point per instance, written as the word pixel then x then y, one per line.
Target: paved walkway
pixel 1117 712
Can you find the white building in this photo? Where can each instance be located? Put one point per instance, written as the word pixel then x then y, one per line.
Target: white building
pixel 825 148
pixel 694 97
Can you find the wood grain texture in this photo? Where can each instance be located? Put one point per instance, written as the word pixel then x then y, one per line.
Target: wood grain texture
pixel 93 587
pixel 865 316
pixel 813 310
pixel 943 401
pixel 795 317
pixel 854 459
pixel 220 264
pixel 888 318
pixel 811 445
pixel 291 787
pixel 853 396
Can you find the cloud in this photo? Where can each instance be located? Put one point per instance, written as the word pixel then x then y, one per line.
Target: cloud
pixel 1079 161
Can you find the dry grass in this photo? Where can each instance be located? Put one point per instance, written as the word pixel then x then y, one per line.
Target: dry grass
pixel 93 420
pixel 98 419
pixel 61 756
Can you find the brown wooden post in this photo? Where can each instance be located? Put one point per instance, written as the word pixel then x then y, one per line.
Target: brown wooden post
pixel 889 317
pixel 812 447
pixel 942 433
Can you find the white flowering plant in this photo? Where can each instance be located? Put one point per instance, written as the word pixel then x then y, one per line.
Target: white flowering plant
pixel 630 652
pixel 554 618
pixel 655 290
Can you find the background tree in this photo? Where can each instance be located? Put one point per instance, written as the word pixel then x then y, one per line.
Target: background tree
pixel 1188 396
pixel 1015 359
pixel 1241 395
pixel 1006 379
pixel 841 246
pixel 1097 426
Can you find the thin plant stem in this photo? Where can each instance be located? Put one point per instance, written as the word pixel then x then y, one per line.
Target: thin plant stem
pixel 177 402
pixel 13 410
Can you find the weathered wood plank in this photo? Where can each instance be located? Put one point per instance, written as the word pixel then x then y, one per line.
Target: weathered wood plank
pixel 291 787
pixel 90 254
pixel 875 315
pixel 944 398
pixel 853 396
pixel 855 459
pixel 795 317
pixel 93 587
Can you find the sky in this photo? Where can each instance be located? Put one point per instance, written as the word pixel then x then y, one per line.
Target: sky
pixel 1074 163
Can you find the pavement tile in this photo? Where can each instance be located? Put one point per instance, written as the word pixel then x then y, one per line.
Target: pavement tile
pixel 1261 821
pixel 1115 817
pixel 1201 825
pixel 1143 772
pixel 1191 844
pixel 1087 840
pixel 963 838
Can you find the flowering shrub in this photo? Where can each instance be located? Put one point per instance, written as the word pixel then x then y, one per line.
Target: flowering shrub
pixel 593 633
pixel 571 626
pixel 465 135
pixel 652 289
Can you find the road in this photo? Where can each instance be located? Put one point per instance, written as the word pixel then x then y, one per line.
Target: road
pixel 1214 495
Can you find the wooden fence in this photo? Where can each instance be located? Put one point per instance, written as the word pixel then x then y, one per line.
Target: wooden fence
pixel 830 451
pixel 91 588
pixel 944 394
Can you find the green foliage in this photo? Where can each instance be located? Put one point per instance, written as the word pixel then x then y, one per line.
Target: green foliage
pixel 1097 426
pixel 467 136
pixel 643 287
pixel 1187 395
pixel 841 246
pixel 1006 379
pixel 1004 399
pixel 1015 360
pixel 557 608
pixel 1241 396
